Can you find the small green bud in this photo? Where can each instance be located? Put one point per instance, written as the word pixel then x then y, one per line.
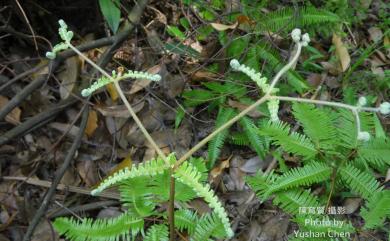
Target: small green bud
pixel 384 108
pixel 50 55
pixel 362 101
pixel 363 136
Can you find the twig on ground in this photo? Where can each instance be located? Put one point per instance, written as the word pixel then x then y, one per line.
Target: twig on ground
pixel 60 173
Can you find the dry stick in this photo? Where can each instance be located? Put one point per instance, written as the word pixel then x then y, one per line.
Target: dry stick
pixel 62 187
pixel 60 173
pixel 22 75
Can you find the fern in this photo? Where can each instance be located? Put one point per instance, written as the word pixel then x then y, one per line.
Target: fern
pixel 215 145
pixel 255 140
pixel 239 139
pixel 376 152
pixel 290 201
pixel 360 182
pixel 311 173
pixel 317 124
pixel 185 219
pixel 294 143
pixel 149 168
pixel 287 18
pixel 189 175
pixel 124 226
pixel 345 124
pixel 158 232
pixel 209 225
pixel 377 209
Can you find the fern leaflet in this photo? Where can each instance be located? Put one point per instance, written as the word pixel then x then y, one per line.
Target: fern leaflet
pixel 314 172
pixel 255 140
pixel 317 124
pixel 124 226
pixel 377 209
pixel 215 145
pixel 361 182
pixel 295 143
pixel 158 232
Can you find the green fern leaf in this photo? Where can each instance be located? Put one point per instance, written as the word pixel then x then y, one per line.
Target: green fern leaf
pixel 361 182
pixel 346 127
pixel 317 124
pixel 239 139
pixel 314 172
pixel 215 145
pixel 290 201
pixel 209 225
pixel 377 209
pixel 124 226
pixel 255 140
pixel 157 232
pixel 137 197
pixel 376 152
pixel 149 168
pixel 261 182
pixel 294 143
pixel 288 18
pixel 185 219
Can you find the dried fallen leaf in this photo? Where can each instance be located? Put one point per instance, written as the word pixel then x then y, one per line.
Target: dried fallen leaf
pixel 120 110
pixel 14 116
pixel 217 171
pixel 69 76
pixel 240 106
pixel 125 163
pixel 341 52
pixel 112 91
pixel 223 27
pixel 376 34
pixel 92 123
pixel 88 172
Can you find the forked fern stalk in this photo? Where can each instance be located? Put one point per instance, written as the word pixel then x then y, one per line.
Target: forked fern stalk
pixel 319 136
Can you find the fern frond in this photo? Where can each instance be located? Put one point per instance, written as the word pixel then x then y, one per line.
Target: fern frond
pixel 290 201
pixel 190 176
pixel 215 145
pixel 185 219
pixel 157 232
pixel 294 143
pixel 261 182
pixel 361 182
pixel 209 225
pixel 376 152
pixel 317 124
pixel 255 140
pixel 314 172
pixel 287 18
pixel 377 209
pixel 346 127
pixel 137 196
pixel 124 226
pixel 149 168
pixel 239 139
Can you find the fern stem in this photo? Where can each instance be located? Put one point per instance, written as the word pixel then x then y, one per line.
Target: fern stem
pixel 245 111
pixel 123 97
pixel 285 68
